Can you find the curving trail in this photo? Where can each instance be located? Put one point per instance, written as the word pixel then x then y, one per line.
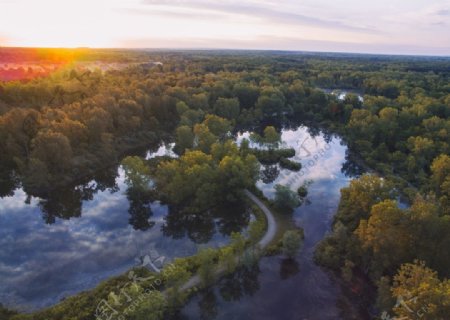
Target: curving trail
pixel 271 223
pixel 263 243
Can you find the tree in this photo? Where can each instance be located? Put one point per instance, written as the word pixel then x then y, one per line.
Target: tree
pixel 206 260
pixel 204 138
pixel 387 237
pixel 227 108
pixel 152 307
pixel 184 139
pixel 227 259
pixel 36 175
pixel 190 180
pixel 246 93
pixel 137 173
pixel 292 241
pixel 237 173
pixel 285 198
pixel 54 150
pixel 440 177
pixel 271 102
pixel 175 275
pixel 359 197
pixel 420 293
pixel 217 125
pixel 271 136
pixel 199 181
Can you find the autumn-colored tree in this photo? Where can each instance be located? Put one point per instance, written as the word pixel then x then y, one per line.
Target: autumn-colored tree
pixel 420 294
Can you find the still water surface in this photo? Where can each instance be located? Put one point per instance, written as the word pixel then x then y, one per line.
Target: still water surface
pixel 56 247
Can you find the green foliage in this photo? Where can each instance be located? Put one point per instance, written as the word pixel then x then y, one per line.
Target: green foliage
pixel 237 243
pixel 302 191
pixel 152 306
pixel 206 259
pixel 227 108
pixel 292 242
pixel 137 173
pixel 217 125
pixel 184 139
pixel 5 313
pixel 257 228
pixel 199 181
pixel 228 259
pixel 290 165
pixel 285 198
pixel 271 102
pixel 271 136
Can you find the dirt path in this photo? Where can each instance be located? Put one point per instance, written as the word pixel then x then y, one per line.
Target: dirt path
pixel 263 243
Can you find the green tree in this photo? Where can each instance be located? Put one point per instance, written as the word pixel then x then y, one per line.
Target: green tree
pixel 271 136
pixel 137 173
pixel 54 150
pixel 227 259
pixel 285 198
pixel 184 139
pixel 227 108
pixel 292 242
pixel 271 102
pixel 152 307
pixel 204 138
pixel 217 125
pixel 206 260
pixel 246 93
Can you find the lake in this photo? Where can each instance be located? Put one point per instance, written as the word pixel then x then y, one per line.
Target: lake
pixel 56 247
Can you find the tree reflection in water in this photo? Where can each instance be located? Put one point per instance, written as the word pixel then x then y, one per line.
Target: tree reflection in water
pixel 244 281
pixel 140 210
pixel 288 268
pixel 269 174
pixel 201 226
pixel 65 203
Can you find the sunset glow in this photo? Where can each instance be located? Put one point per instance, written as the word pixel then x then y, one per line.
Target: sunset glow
pixel 416 26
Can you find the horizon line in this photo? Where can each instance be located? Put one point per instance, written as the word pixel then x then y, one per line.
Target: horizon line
pixel 233 49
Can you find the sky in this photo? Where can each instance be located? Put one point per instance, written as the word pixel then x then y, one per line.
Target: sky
pixel 381 26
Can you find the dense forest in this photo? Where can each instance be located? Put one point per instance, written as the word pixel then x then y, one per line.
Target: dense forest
pixel 58 127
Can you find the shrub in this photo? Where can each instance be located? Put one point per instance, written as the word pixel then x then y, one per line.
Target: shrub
pixel 292 241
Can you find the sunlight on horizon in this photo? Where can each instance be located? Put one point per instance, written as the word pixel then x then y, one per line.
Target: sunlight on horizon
pixel 385 27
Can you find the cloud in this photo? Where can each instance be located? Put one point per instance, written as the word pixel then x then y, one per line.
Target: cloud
pixel 256 10
pixel 173 14
pixel 443 12
pixel 274 42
